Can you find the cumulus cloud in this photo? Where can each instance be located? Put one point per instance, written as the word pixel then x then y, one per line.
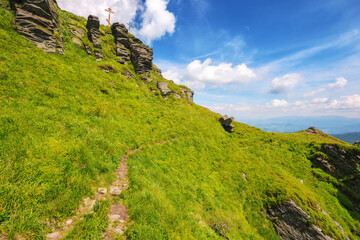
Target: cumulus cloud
pixel 285 83
pixel 339 84
pixel 203 73
pixel 125 10
pixel 279 103
pixel 156 19
pixel 346 105
pixel 172 75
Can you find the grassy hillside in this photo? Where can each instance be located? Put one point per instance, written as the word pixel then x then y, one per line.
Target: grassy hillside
pixel 65 124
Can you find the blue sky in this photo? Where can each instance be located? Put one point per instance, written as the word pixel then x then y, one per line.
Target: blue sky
pixel 251 58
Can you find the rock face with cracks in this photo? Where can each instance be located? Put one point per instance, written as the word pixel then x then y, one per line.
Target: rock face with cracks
pixel 291 222
pixel 141 57
pixel 120 33
pixel 37 20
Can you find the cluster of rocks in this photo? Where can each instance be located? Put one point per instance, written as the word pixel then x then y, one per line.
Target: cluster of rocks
pixel 93 25
pixel 131 48
pixel 37 20
pixel 165 92
pixel 226 123
pixel 291 222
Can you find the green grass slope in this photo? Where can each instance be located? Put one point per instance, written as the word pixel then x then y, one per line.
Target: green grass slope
pixel 65 124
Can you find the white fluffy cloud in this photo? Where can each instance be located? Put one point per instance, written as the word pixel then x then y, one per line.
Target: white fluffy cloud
pixel 313 93
pixel 172 75
pixel 339 84
pixel 156 19
pixel 203 73
pixel 347 105
pixel 285 83
pixel 279 103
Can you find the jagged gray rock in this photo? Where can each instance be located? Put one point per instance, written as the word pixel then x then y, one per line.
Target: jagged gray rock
pixel 37 20
pixel 164 89
pixel 141 57
pixel 226 123
pixel 93 25
pixel 291 223
pixel 121 37
pixel 188 94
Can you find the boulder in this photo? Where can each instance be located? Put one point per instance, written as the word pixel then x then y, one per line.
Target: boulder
pixel 164 89
pixel 357 143
pixel 188 94
pixel 313 130
pixel 291 222
pixel 141 57
pixel 37 20
pixel 226 123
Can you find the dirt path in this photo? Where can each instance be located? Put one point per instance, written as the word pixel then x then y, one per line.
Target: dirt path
pixel 118 216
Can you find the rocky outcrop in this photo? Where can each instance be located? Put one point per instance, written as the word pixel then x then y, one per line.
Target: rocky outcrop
pixel 164 89
pixel 141 57
pixel 340 163
pixel 121 37
pixel 93 25
pixel 357 143
pixel 188 94
pixel 291 222
pixel 226 123
pixel 313 130
pixel 37 20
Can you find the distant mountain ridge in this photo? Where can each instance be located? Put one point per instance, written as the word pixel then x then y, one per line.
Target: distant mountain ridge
pixel 348 137
pixel 329 124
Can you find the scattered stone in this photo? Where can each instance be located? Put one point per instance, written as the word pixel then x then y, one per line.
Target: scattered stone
pixel 102 190
pixel 291 222
pixel 357 143
pixel 176 95
pixel 146 79
pixel 87 49
pixel 226 123
pixel 244 177
pixel 164 89
pixel 38 22
pixel 114 190
pixel 187 93
pixel 119 60
pixel 98 55
pixel 54 236
pixel 68 222
pixel 76 31
pixel 128 74
pixel 108 68
pixel 77 41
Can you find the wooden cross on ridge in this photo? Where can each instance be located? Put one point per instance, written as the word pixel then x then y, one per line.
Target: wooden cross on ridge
pixel 110 12
pixel 129 24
